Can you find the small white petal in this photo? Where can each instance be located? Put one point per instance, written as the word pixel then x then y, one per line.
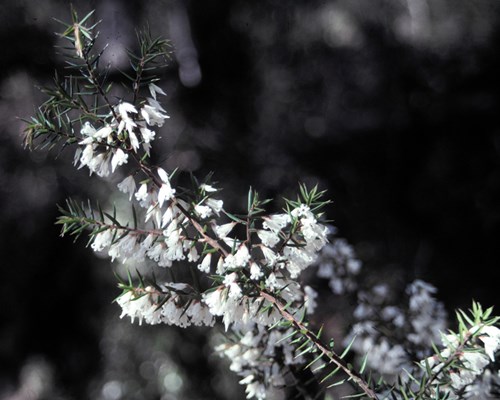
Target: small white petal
pixel 125 108
pixel 103 132
pixel 87 129
pixel 153 89
pixel 165 193
pixel 205 264
pixel 119 158
pixel 127 186
pixel 133 140
pixel 163 175
pixel 223 230
pixel 207 188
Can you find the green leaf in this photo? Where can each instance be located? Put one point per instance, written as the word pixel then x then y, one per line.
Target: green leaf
pixel 346 350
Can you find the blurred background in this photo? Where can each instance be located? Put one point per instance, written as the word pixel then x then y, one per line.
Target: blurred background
pixel 390 105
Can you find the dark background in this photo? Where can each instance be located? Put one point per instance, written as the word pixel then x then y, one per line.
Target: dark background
pixel 390 105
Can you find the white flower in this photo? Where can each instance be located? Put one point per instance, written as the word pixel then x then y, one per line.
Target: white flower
pixel 103 133
pixel 207 188
pixel 492 341
pixel 271 281
pixel 200 314
pixel 142 193
pixel 203 211
pixel 231 242
pixel 166 191
pixel 156 104
pixel 255 271
pixel 193 255
pixel 163 175
pixel 242 256
pixel 276 222
pixel 147 134
pixel 314 233
pixel 269 255
pixel 302 211
pixel 124 109
pixel 100 165
pixel 136 306
pixel 119 158
pixel 87 155
pixel 153 89
pixel 256 389
pixel 215 300
pixel 475 361
pixel 126 122
pixel 102 240
pixel 127 186
pixel 76 157
pixel 247 380
pixel 215 205
pixel 153 115
pixel 88 140
pixel 172 314
pixel 134 142
pixel 223 230
pixel 87 129
pixel 167 216
pixel 148 242
pixel 268 238
pixel 205 264
pixel 220 265
pixel 310 299
pixel 354 266
pixel 492 331
pixel 153 212
pixel 229 262
pixel 230 281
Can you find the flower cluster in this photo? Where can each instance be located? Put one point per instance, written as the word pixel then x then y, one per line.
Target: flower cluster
pixel 289 243
pixel 395 336
pixel 244 269
pixel 169 305
pixel 125 129
pixel 338 263
pixel 470 352
pixel 261 358
pixel 269 259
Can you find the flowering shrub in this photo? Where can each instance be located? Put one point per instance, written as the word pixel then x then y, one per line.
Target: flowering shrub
pixel 245 270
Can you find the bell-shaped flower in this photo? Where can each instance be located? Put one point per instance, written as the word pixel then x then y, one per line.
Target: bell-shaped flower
pixel 203 211
pixel 205 264
pixel 268 238
pixel 242 256
pixel 88 129
pixel 124 109
pixel 153 115
pixel 142 193
pixel 119 158
pixel 103 133
pixel 127 186
pixel 166 191
pixel 230 281
pixel 154 89
pixel 276 222
pixel 255 271
pixel 147 134
pixel 134 142
pixel 215 205
pixel 492 341
pixel 223 230
pixel 207 188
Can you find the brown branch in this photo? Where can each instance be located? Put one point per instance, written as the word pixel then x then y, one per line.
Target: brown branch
pixel 330 354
